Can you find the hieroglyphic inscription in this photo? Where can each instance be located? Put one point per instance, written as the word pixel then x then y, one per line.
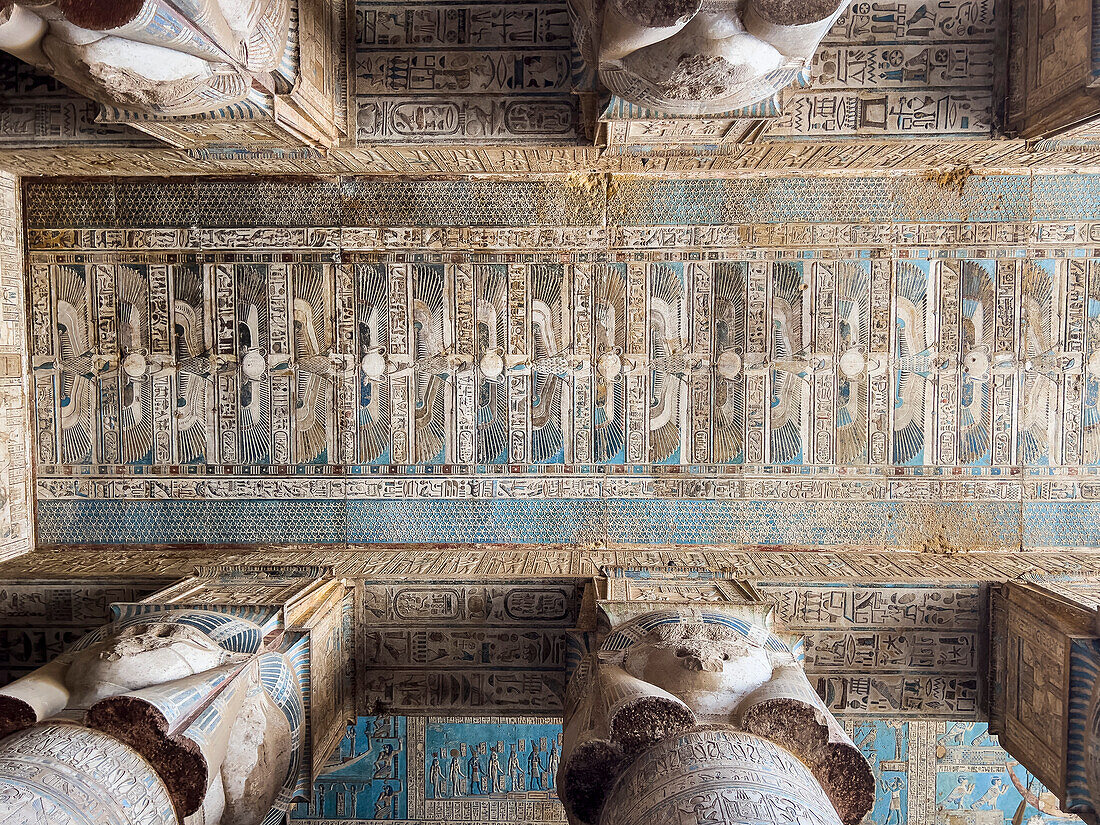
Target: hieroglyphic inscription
pixel 907 649
pixel 39 620
pixel 452 646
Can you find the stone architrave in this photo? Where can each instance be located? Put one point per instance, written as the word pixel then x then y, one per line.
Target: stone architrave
pixel 193 703
pixel 697 710
pixel 1045 685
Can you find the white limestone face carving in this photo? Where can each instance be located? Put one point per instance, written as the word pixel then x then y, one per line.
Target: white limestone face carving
pixel 149 56
pixel 193 693
pixel 138 657
pixel 668 674
pixel 709 669
pixel 700 57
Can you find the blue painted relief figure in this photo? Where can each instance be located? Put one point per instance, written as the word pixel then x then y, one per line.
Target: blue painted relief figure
pixel 534 768
pixel 349 737
pixel 515 771
pixel 386 804
pixel 901 738
pixel 475 760
pixel 960 793
pixel 893 816
pixel 436 779
pixel 885 745
pixel 385 765
pixel 456 779
pixel 369 760
pixel 383 728
pixel 866 743
pixel 496 773
pixel 988 800
pixel 956 733
pixel 974 774
pixel 473 765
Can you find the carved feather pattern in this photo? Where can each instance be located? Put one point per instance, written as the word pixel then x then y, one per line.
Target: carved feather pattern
pixel 729 335
pixel 914 330
pixel 429 417
pixel 195 403
pixel 490 318
pixel 76 397
pixel 1039 414
pixel 547 442
pixel 609 324
pixel 373 323
pixel 312 344
pixel 73 321
pixel 789 391
pixel 254 414
pixel 854 332
pixel 105 414
pixel 194 396
pixel 76 400
pixel 136 411
pixel 666 322
pixel 975 395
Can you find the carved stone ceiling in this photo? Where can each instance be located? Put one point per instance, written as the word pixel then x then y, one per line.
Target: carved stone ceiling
pixel 797 380
pixel 860 361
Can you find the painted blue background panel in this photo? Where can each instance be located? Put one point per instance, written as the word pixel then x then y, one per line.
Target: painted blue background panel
pixel 367 776
pixel 498 759
pixel 435 769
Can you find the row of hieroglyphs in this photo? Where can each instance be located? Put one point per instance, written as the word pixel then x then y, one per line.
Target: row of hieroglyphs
pixel 492 562
pixel 908 651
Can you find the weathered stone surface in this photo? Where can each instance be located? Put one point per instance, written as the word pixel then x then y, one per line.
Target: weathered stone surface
pixel 718 773
pixel 685 58
pixel 655 677
pixel 214 717
pixel 151 57
pixel 105 781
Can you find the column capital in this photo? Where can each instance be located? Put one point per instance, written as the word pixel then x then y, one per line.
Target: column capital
pixel 1045 684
